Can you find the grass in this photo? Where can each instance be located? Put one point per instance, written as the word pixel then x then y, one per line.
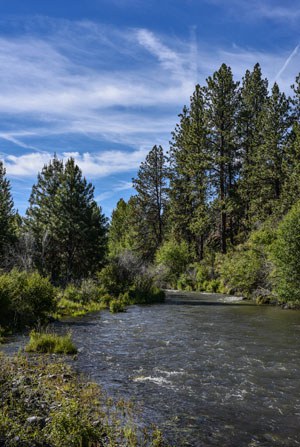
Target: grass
pixel 50 343
pixel 46 404
pixel 69 308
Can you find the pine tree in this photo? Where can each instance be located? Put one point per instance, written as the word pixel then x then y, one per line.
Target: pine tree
pixel 67 223
pixel 223 100
pixel 254 93
pixel 119 229
pixel 151 200
pixel 7 215
pixel 189 182
pixel 180 208
pixel 39 217
pixel 296 100
pixel 271 156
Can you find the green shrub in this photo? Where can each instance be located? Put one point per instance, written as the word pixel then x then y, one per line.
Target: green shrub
pixel 286 256
pixel 175 257
pixel 249 267
pixel 202 275
pixel 71 293
pixel 47 342
pixel 105 299
pixel 25 298
pixel 78 300
pixel 128 280
pixel 212 286
pixel 111 279
pixel 242 270
pixel 116 305
pixel 185 282
pixel 86 292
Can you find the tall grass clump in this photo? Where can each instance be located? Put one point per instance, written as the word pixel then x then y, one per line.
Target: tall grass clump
pixel 50 343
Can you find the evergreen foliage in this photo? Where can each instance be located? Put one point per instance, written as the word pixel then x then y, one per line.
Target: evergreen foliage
pixel 286 254
pixel 7 215
pixel 67 224
pixel 150 201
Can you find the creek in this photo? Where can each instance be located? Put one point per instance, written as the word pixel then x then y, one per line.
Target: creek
pixel 208 370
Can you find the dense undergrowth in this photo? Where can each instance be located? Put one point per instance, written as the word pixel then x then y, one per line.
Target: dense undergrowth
pixel 46 404
pixel 264 267
pixel 27 299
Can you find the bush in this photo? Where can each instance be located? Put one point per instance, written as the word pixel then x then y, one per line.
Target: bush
pixel 185 282
pixel 248 268
pixel 116 305
pixel 88 291
pixel 241 270
pixel 25 298
pixel 127 279
pixel 78 300
pixel 175 257
pixel 47 342
pixel 286 256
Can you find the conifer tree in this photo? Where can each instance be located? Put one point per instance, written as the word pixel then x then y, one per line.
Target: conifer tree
pixel 271 156
pixel 151 200
pixel 67 223
pixel 7 215
pixel 189 181
pixel 223 101
pixel 119 229
pixel 296 100
pixel 39 216
pixel 180 208
pixel 254 93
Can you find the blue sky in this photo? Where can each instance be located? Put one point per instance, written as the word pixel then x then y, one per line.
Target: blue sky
pixel 104 80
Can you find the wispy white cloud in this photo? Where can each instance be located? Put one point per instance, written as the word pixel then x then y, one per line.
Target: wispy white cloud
pixel 93 165
pixel 261 9
pixel 287 62
pixel 121 186
pixel 124 86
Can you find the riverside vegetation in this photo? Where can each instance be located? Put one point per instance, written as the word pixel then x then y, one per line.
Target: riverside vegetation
pixel 218 212
pixel 43 403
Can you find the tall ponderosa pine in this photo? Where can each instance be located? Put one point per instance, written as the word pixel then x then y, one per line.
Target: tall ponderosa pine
pixel 64 214
pixel 189 181
pixel 254 93
pixel 151 200
pixel 7 215
pixel 271 156
pixel 223 100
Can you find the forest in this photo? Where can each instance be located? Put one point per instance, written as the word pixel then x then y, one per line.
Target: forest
pixel 219 211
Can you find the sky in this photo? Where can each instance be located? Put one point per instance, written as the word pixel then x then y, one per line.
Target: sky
pixel 103 81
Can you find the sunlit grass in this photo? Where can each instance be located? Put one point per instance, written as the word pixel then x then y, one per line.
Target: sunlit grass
pixel 51 343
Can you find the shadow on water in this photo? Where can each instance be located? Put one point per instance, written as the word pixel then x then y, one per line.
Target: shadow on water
pixel 203 303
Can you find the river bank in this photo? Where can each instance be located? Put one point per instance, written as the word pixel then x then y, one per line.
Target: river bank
pixel 43 402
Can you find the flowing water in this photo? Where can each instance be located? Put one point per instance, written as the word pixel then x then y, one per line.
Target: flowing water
pixel 209 372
